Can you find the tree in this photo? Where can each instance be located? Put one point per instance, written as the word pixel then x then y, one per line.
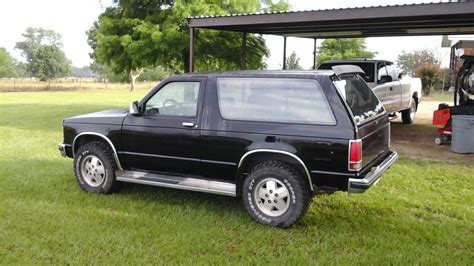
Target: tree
pixel 410 62
pixel 429 75
pixel 42 51
pixel 49 63
pixel 135 34
pixel 7 64
pixel 334 49
pixel 293 61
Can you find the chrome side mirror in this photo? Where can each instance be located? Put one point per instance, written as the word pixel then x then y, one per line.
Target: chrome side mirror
pixel 133 110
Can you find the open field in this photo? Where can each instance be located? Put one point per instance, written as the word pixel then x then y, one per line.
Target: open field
pixel 420 213
pixel 25 85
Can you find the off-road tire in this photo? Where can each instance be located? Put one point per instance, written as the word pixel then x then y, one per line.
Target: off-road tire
pixel 408 115
pixel 298 188
pixel 102 151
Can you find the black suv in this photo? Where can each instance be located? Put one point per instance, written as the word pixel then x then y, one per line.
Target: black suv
pixel 274 138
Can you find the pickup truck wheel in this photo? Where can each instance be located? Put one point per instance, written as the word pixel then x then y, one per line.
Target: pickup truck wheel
pixel 408 115
pixel 94 167
pixel 275 194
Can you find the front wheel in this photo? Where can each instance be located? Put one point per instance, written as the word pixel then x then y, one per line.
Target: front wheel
pixel 94 167
pixel 275 194
pixel 408 115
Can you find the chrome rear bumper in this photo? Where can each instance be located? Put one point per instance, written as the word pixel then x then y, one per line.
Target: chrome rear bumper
pixel 356 185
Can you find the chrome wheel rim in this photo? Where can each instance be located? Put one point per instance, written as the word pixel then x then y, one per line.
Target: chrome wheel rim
pixel 272 197
pixel 93 171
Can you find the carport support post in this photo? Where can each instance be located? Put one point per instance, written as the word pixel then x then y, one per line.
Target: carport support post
pixel 191 50
pixel 243 58
pixel 314 54
pixel 284 52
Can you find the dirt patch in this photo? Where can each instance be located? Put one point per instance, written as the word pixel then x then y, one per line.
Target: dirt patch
pixel 416 141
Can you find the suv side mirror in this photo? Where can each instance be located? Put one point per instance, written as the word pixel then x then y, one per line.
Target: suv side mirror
pixel 385 79
pixel 400 75
pixel 134 110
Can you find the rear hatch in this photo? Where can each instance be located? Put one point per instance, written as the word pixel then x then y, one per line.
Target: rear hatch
pixel 375 136
pixel 370 118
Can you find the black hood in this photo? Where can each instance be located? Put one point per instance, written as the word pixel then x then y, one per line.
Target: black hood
pixel 114 116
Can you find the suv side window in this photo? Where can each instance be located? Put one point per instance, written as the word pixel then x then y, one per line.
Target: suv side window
pixel 274 100
pixel 174 99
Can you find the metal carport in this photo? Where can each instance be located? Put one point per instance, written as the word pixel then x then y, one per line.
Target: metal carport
pixel 376 21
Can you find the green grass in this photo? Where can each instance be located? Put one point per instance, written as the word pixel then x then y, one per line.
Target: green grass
pixel 445 96
pixel 420 213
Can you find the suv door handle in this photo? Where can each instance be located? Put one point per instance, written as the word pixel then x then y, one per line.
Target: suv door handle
pixel 391 88
pixel 189 124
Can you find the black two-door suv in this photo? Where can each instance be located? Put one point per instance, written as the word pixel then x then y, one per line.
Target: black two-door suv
pixel 273 138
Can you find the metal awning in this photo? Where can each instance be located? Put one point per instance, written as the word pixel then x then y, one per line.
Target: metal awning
pixel 399 20
pixel 446 18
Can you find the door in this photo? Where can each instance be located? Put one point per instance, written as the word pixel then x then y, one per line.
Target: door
pixel 165 136
pixel 388 91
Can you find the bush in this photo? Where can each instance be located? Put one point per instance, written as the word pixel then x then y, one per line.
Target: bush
pixel 430 76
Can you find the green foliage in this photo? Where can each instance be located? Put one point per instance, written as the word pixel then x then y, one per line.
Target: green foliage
pixel 7 64
pixel 335 49
pixel 133 34
pixel 42 51
pixel 410 62
pixel 154 74
pixel 21 69
pixel 49 63
pixel 106 73
pixel 429 75
pixel 293 62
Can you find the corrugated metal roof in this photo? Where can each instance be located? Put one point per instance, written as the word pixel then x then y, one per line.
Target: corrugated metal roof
pixel 315 10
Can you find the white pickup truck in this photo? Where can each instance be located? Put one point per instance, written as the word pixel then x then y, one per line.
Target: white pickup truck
pixel 397 94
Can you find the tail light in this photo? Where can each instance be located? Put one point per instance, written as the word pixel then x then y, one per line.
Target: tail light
pixel 355 155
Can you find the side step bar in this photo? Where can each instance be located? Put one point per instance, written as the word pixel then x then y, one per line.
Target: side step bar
pixel 186 183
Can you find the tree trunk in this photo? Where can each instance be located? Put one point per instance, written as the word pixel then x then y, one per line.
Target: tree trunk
pixel 133 75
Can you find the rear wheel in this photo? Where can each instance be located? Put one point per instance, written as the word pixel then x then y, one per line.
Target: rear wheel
pixel 94 167
pixel 275 194
pixel 408 115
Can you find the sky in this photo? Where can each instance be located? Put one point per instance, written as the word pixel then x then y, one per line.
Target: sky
pixel 72 18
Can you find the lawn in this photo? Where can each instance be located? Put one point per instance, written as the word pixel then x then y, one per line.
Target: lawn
pixel 422 212
pixel 445 96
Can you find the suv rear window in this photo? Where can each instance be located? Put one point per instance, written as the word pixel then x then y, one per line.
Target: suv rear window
pixel 274 100
pixel 359 97
pixel 367 67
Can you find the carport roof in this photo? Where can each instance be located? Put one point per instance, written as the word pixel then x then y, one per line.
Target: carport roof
pixel 375 21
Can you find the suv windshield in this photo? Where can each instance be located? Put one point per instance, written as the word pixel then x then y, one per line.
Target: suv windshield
pixel 359 97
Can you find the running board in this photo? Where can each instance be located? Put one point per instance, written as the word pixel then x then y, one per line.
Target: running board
pixel 186 183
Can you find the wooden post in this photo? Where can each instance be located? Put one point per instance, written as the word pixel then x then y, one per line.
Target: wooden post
pixel 191 50
pixel 243 58
pixel 284 52
pixel 314 55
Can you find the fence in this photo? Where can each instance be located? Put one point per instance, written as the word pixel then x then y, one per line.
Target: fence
pixel 12 85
